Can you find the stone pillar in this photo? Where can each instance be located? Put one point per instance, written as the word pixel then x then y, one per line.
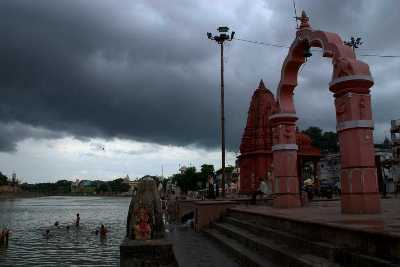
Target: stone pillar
pixel 284 150
pixel 359 183
pixel 316 172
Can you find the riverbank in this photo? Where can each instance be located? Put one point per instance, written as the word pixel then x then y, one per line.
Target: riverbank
pixel 9 195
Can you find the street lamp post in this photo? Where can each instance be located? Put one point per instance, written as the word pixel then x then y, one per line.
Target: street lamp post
pixel 220 39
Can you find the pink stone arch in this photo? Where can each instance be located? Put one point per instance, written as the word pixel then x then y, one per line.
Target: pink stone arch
pixel 351 81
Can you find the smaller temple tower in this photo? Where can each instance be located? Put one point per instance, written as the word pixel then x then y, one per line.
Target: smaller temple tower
pixel 255 150
pixel 255 159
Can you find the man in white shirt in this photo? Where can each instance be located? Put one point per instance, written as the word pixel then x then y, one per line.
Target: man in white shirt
pixel 263 189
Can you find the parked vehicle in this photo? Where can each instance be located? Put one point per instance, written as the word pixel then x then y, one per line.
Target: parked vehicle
pixel 326 189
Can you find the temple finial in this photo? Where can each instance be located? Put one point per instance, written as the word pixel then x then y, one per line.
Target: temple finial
pixel 261 85
pixel 304 20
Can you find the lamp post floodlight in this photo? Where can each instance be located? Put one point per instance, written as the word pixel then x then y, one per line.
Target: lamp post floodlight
pixel 220 39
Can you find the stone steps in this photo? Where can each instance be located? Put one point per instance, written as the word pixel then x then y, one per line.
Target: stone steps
pixel 244 255
pixel 271 249
pixel 294 242
pixel 290 243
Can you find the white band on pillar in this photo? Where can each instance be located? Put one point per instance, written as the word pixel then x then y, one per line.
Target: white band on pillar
pixel 344 125
pixel 349 78
pixel 283 115
pixel 285 147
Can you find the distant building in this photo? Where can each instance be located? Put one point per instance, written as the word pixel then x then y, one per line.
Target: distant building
pixel 182 169
pixel 395 136
pixel 126 179
pixel 75 186
pixel 132 184
pixel 329 167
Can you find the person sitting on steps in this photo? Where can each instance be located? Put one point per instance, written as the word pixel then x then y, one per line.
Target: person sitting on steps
pixel 263 189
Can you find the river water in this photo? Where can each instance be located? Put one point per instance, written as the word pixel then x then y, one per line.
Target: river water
pixel 28 218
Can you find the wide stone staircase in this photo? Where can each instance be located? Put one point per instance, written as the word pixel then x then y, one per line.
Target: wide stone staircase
pixel 257 240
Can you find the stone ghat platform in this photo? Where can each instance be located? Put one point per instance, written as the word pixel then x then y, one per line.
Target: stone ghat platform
pixel 328 213
pixel 319 230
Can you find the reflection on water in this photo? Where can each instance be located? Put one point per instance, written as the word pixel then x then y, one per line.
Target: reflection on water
pixel 29 218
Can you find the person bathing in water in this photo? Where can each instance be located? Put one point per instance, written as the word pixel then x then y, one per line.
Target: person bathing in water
pixel 47 233
pixel 103 230
pixel 77 220
pixel 4 235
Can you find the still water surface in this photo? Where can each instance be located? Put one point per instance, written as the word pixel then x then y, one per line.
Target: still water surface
pixel 29 218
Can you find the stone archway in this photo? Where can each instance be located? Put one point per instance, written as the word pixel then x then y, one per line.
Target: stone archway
pixel 351 80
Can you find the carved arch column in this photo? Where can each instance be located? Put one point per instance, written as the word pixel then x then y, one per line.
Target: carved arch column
pixel 351 80
pixel 359 182
pixel 284 151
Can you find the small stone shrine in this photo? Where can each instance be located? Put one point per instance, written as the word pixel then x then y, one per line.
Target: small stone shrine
pixel 145 244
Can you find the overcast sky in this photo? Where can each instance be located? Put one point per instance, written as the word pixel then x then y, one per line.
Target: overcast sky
pixel 105 88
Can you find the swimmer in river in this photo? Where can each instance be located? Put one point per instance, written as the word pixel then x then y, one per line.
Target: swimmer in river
pixel 4 235
pixel 67 227
pixel 56 224
pixel 103 230
pixel 7 235
pixel 47 234
pixel 77 220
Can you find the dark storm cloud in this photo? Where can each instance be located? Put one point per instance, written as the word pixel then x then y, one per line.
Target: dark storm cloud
pixel 11 133
pixel 143 70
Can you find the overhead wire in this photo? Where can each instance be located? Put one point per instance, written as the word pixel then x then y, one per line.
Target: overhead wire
pixel 262 43
pixel 287 46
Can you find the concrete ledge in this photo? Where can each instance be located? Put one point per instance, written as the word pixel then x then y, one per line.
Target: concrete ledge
pixel 184 207
pixel 208 211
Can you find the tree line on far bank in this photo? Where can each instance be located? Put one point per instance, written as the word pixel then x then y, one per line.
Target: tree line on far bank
pixel 65 187
pixel 5 181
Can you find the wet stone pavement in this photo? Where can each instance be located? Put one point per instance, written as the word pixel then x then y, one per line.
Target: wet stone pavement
pixel 196 250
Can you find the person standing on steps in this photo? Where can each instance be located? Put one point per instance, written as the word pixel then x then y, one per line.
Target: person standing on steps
pixel 211 192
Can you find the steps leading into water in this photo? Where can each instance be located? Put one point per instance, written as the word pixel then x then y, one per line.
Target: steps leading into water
pixel 256 241
pixel 266 249
pixel 244 255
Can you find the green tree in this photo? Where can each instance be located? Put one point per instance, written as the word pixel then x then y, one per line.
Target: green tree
pixel 228 169
pixel 325 141
pixel 3 179
pixel 63 186
pixel 189 180
pixel 118 186
pixel 205 171
pixel 102 188
pixel 315 134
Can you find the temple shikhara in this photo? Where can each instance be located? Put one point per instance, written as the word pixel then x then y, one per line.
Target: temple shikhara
pixel 255 160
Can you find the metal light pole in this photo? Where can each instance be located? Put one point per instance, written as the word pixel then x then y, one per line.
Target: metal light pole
pixel 220 39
